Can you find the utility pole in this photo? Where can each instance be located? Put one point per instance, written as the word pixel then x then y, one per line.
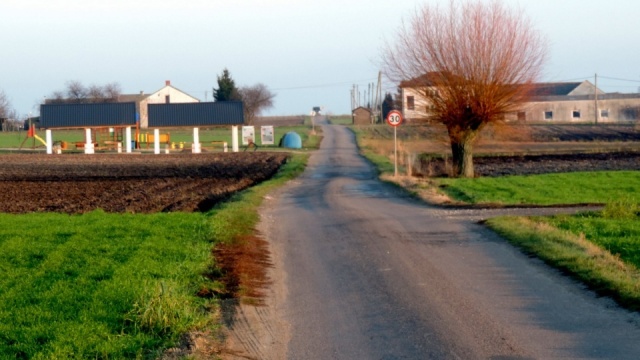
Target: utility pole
pixel 596 97
pixel 379 95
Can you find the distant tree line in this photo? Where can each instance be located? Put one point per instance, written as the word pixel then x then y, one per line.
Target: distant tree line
pixel 77 93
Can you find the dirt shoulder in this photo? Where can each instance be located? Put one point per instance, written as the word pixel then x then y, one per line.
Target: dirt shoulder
pixel 254 327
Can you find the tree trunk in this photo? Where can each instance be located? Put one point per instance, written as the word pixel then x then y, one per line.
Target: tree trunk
pixel 462 151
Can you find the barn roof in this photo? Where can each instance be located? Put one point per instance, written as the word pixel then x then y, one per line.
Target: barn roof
pixel 554 89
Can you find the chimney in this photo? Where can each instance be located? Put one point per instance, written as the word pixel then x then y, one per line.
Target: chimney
pixel 167 82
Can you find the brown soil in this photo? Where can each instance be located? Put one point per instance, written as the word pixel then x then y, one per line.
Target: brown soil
pixel 128 183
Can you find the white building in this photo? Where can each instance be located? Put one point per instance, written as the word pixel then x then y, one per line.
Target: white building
pixel 166 95
pixel 550 102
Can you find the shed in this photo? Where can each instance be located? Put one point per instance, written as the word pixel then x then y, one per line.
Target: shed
pixel 196 114
pixel 361 116
pixel 87 115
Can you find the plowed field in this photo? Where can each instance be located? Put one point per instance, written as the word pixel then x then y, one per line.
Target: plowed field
pixel 535 164
pixel 128 183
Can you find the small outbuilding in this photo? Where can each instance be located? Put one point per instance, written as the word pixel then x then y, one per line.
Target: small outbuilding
pixel 361 116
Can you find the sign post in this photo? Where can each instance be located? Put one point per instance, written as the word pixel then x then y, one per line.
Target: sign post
pixel 394 118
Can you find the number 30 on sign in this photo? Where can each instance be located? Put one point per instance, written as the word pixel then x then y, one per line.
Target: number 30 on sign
pixel 394 118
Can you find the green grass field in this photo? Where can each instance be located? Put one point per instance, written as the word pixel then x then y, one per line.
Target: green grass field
pixel 112 286
pixel 564 188
pixel 207 137
pixel 100 285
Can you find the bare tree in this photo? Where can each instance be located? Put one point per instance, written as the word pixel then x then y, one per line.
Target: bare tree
pixel 76 92
pixel 474 62
pixel 95 93
pixel 5 105
pixel 256 99
pixel 56 97
pixel 112 91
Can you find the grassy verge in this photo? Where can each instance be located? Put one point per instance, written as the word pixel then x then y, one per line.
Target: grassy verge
pixel 598 249
pixel 101 285
pixel 239 215
pixel 565 188
pixel 382 162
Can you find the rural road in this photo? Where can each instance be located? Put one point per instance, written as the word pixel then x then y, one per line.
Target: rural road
pixel 363 272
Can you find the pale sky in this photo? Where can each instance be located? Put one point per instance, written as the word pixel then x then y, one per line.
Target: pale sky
pixel 310 53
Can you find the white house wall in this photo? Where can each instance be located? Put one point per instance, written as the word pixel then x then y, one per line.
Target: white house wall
pixel 563 110
pixel 175 96
pixel 421 105
pixel 619 109
pixel 160 97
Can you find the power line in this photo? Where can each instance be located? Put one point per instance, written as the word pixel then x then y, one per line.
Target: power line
pixel 323 85
pixel 618 79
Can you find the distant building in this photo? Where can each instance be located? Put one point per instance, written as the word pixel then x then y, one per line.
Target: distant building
pixel 361 116
pixel 166 95
pixel 550 102
pixel 577 102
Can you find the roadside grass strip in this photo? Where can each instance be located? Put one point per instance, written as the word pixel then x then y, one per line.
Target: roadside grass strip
pixel 598 187
pixel 100 285
pixel 238 216
pixel 603 253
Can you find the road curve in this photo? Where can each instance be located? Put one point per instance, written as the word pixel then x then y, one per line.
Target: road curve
pixel 363 272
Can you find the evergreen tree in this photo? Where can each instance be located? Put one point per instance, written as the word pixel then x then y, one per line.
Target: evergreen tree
pixel 227 90
pixel 387 105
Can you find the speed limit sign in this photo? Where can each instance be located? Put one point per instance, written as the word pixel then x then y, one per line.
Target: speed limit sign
pixel 394 118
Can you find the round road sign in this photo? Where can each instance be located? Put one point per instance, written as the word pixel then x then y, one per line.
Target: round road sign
pixel 394 118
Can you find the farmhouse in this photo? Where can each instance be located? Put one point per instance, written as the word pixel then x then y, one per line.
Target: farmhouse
pixel 167 95
pixel 549 102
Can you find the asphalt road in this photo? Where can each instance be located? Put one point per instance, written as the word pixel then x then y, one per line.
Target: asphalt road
pixel 368 273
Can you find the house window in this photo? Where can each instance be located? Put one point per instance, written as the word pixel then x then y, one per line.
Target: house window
pixel 604 113
pixel 522 116
pixel 630 113
pixel 411 103
pixel 575 114
pixel 167 99
pixel 548 115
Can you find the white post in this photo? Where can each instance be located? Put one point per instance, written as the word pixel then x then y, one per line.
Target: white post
pixel 88 145
pixel 49 140
pixel 196 149
pixel 395 151
pixel 234 139
pixel 127 139
pixel 156 141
